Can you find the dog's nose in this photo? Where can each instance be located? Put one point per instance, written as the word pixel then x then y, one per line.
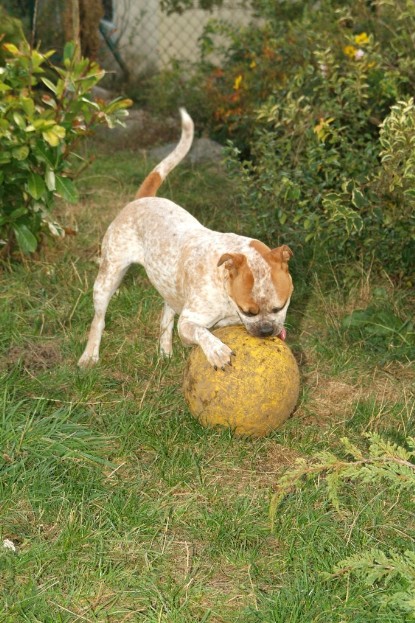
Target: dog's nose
pixel 266 329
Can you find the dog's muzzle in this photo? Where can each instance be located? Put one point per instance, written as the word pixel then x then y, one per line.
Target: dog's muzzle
pixel 267 329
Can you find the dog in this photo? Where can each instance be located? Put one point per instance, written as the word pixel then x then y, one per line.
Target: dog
pixel 209 279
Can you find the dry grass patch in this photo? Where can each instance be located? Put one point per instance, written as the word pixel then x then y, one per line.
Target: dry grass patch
pixel 330 399
pixel 257 472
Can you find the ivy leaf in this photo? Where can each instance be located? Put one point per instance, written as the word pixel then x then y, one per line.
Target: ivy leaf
pixel 68 51
pixel 118 104
pixel 358 199
pixel 19 120
pixel 45 154
pixel 11 49
pixel 16 214
pixel 54 135
pixel 28 106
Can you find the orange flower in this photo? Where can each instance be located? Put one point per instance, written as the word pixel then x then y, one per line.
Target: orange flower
pixel 268 52
pixel 218 72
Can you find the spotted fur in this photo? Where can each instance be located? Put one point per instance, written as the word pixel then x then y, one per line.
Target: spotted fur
pixel 209 279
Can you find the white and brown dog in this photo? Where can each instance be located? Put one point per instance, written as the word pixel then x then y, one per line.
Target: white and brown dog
pixel 209 279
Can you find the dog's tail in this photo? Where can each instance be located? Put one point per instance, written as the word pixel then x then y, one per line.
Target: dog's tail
pixel 157 176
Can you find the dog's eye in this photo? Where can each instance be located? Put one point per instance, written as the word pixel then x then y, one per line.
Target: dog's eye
pixel 248 314
pixel 277 309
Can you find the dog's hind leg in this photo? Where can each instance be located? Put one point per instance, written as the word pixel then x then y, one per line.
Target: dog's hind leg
pixel 109 278
pixel 166 331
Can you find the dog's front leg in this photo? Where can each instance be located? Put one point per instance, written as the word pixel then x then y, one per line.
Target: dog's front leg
pixel 217 353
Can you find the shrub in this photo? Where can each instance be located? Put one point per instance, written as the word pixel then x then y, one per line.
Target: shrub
pixel 45 111
pixel 315 98
pixel 180 84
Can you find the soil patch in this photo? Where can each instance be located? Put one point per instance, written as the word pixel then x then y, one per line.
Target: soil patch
pixel 34 357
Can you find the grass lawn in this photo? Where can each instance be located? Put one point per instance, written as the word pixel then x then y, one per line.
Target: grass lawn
pixel 121 507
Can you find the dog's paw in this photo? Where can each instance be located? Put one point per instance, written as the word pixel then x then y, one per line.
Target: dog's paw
pixel 87 361
pixel 219 355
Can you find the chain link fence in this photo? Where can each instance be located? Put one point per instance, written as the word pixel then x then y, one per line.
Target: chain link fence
pixel 136 37
pixel 148 39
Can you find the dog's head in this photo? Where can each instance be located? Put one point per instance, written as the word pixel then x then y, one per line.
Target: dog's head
pixel 260 286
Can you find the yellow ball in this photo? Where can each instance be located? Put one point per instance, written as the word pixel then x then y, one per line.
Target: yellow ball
pixel 253 396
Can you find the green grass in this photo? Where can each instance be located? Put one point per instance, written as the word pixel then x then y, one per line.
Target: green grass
pixel 121 506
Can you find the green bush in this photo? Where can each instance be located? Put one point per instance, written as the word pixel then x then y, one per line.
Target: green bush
pixel 316 99
pixel 179 84
pixel 45 111
pixel 323 137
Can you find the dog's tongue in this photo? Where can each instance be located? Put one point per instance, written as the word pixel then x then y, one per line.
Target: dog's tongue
pixel 283 334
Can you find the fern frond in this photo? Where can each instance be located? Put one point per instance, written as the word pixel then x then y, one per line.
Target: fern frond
pixel 374 567
pixel 385 462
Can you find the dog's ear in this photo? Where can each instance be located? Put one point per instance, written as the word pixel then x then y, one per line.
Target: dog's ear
pixel 281 254
pixel 233 262
pixel 241 281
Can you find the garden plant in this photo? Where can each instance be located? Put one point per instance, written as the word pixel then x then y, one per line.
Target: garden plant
pixel 316 100
pixel 45 110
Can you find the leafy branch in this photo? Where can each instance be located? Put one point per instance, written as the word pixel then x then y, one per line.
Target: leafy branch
pixel 45 111
pixel 384 463
pixel 374 567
